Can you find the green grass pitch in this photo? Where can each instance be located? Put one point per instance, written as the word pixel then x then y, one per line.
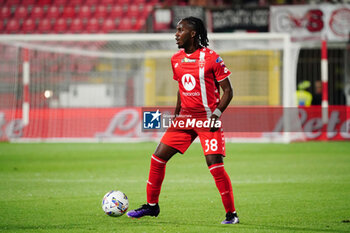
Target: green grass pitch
pixel 298 187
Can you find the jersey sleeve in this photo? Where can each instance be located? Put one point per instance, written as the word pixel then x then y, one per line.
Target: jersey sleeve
pixel 219 68
pixel 173 64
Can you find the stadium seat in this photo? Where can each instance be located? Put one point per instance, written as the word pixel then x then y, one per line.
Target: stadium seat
pixel 147 9
pixel 108 2
pixel 139 2
pixel 37 12
pixel 12 26
pixel 154 2
pixel 68 12
pixel 44 26
pixel 21 12
pixel 2 28
pixel 123 2
pixel 125 24
pixel 140 24
pixel 28 26
pixel 133 11
pixel 116 11
pixel 108 25
pixel 92 2
pixel 84 12
pixel 92 26
pixel 11 3
pixel 100 11
pixel 28 2
pixel 52 12
pixel 76 26
pixel 60 25
pixel 60 2
pixel 5 12
pixel 76 2
pixel 43 2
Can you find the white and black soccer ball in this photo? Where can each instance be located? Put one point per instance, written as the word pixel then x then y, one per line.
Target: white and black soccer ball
pixel 115 203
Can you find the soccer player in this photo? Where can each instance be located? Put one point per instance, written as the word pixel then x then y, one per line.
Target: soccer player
pixel 200 73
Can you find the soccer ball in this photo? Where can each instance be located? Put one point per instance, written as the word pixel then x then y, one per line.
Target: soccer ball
pixel 115 203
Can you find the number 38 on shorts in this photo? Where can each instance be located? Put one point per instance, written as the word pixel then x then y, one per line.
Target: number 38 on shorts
pixel 212 142
pixel 214 145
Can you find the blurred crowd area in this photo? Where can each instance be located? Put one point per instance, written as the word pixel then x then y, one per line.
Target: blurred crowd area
pixel 304 20
pixel 107 16
pixel 235 3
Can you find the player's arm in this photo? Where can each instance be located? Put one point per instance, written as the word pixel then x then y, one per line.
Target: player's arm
pixel 225 100
pixel 227 96
pixel 178 105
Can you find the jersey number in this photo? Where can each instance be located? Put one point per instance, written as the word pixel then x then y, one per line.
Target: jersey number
pixel 211 144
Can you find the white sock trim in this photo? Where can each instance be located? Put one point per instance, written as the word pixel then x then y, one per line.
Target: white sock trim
pixel 215 167
pixel 159 161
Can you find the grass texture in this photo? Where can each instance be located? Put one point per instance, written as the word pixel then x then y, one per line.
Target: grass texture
pixel 298 187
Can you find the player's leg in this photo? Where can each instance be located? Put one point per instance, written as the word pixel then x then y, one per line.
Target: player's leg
pixel 223 183
pixel 171 143
pixel 213 144
pixel 154 183
pixel 157 171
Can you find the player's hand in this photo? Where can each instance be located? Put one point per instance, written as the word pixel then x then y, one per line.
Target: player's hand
pixel 214 118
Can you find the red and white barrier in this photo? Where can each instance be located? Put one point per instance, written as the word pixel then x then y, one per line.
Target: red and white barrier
pixel 125 124
pixel 26 78
pixel 324 78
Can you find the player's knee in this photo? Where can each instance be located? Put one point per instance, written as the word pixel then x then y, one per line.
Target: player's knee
pixel 214 159
pixel 164 151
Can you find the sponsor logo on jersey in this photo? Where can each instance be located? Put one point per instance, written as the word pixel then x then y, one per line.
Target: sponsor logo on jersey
pixel 187 60
pixel 188 82
pixel 191 93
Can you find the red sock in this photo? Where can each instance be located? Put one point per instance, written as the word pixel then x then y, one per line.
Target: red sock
pixel 223 183
pixel 155 179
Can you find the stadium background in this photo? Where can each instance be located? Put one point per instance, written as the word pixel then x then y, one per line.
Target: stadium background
pixel 83 88
pixel 67 85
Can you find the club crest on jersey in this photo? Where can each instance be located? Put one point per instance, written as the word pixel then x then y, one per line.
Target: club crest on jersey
pixel 187 60
pixel 201 64
pixel 188 82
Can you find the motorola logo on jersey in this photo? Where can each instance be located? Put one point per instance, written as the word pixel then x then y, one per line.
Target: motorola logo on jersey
pixel 188 81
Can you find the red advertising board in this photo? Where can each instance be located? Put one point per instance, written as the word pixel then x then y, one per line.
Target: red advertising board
pixel 127 123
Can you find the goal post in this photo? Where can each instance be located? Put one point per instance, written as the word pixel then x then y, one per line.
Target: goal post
pixel 80 83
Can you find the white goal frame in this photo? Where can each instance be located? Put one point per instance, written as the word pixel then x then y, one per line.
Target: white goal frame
pixel 288 72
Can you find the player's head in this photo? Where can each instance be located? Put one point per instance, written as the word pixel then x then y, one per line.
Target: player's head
pixel 191 31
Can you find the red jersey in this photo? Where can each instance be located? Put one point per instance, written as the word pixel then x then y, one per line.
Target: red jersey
pixel 198 75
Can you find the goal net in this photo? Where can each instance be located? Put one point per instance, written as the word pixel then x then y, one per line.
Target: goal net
pixel 94 87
